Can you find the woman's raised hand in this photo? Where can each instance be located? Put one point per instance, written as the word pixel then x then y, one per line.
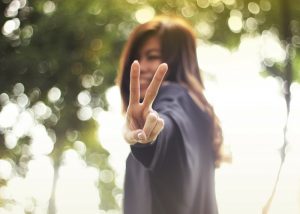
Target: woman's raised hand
pixel 143 124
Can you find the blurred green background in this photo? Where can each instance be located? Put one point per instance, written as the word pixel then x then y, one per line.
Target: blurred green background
pixel 57 58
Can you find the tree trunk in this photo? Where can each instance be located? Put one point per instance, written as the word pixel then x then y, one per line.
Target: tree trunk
pixel 51 206
pixel 287 78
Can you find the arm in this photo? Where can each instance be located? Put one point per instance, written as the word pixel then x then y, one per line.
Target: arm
pixel 149 154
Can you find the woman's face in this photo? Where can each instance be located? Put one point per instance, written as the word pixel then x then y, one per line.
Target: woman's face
pixel 149 59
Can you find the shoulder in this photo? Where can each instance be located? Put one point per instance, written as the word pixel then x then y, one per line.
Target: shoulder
pixel 171 91
pixel 168 86
pixel 174 98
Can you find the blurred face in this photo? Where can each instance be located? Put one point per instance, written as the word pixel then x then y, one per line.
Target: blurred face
pixel 149 59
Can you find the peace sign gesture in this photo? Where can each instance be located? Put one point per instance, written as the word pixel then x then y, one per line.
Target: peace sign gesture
pixel 143 124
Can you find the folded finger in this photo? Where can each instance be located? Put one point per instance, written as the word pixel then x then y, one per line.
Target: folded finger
pixel 150 123
pixel 157 129
pixel 135 136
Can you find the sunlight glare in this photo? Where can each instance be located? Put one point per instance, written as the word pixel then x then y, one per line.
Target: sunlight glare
pixel 271 47
pixel 5 169
pixel 41 143
pixel 110 133
pixel 39 178
pixel 252 112
pixel 77 191
pixel 18 190
pixel 9 115
pixel 11 140
pixel 24 124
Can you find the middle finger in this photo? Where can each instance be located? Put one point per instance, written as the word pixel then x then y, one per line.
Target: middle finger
pixel 153 88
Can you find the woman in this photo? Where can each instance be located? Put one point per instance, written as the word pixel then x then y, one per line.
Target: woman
pixel 173 132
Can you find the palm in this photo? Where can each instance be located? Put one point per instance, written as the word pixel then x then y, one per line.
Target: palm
pixel 137 116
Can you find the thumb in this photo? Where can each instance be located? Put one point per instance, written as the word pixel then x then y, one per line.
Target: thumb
pixel 135 136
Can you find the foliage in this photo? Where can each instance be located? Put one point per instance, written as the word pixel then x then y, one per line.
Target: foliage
pixel 70 49
pixel 67 49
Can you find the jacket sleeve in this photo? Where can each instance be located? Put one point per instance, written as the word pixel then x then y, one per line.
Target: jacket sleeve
pixel 152 155
pixel 149 155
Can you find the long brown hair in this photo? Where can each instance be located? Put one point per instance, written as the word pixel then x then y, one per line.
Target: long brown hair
pixel 178 50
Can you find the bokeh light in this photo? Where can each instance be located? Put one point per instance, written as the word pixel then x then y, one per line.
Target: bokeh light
pixel 84 98
pixel 80 147
pixel 10 26
pixel 8 115
pixel 235 90
pixel 253 8
pixel 41 143
pixel 265 5
pixel 206 30
pixel 49 7
pixel 144 14
pixel 54 94
pixel 55 71
pixel 5 169
pixel 203 3
pixel 85 113
pixel 235 21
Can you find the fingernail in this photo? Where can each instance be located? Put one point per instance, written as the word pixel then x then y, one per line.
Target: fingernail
pixel 165 65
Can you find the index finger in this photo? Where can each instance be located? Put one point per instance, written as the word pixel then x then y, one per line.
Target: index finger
pixel 134 90
pixel 153 88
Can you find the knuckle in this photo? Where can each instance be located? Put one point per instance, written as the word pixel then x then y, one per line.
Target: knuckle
pixel 153 118
pixel 161 123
